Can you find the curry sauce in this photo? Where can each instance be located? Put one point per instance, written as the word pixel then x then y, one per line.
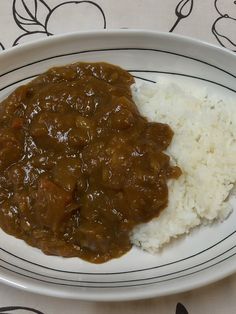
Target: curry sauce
pixel 79 165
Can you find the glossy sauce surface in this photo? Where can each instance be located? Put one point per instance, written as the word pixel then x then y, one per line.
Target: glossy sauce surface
pixel 79 166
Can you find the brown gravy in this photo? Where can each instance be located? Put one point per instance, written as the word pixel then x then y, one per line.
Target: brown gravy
pixel 79 166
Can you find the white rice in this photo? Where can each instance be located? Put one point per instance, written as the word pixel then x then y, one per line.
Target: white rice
pixel 204 146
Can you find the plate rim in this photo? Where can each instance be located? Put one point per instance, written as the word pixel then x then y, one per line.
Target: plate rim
pixel 126 32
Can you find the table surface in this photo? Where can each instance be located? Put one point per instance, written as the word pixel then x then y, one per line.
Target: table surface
pixel 213 21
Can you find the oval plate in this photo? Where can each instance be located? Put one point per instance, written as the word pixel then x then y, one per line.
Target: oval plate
pixel 206 255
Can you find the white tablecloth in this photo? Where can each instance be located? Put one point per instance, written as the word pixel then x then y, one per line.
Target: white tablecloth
pixel 210 20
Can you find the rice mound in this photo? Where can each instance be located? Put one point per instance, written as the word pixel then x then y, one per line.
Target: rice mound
pixel 203 146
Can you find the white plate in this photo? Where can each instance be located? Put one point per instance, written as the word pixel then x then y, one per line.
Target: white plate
pixel 203 257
